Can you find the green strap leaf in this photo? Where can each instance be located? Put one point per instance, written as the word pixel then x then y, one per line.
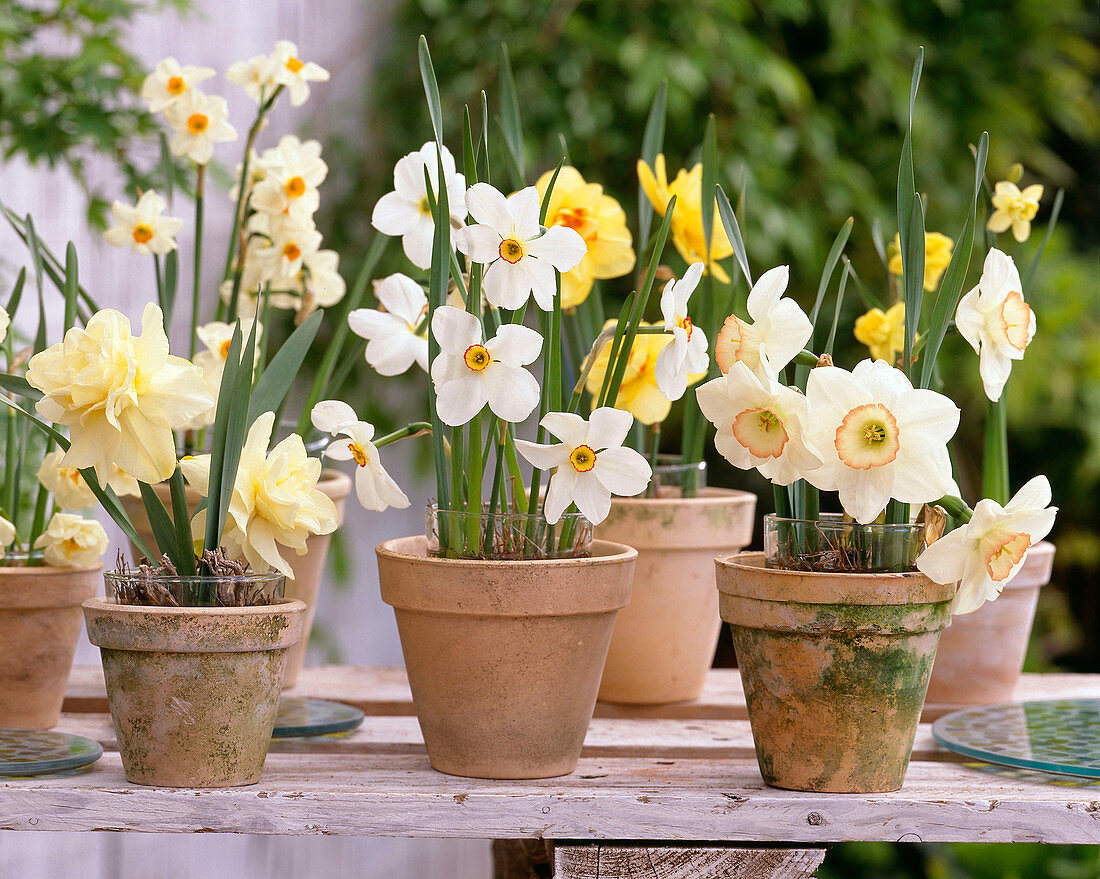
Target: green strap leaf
pixel 509 113
pixel 1033 267
pixel 733 232
pixel 710 181
pixel 19 386
pixel 72 286
pixel 907 186
pixel 431 89
pixel 17 292
pixel 914 280
pixel 274 384
pixel 549 190
pixel 653 139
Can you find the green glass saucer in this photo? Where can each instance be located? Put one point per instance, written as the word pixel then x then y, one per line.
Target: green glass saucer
pixel 36 752
pixel 314 717
pixel 1060 735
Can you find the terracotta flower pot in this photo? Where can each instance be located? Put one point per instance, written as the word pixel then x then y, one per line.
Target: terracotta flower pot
pixel 308 569
pixel 981 653
pixel 504 657
pixel 39 625
pixel 835 668
pixel 193 690
pixel 664 640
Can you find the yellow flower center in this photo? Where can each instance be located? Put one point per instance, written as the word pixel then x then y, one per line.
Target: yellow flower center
pixel 685 323
pixel 511 250
pixel 197 123
pixel 1002 553
pixel 760 431
pixel 224 349
pixel 425 205
pixel 358 453
pixel 868 437
pixel 583 458
pixel 142 233
pixel 176 85
pixel 293 64
pixel 1015 320
pixel 477 357
pixel 292 251
pixel 295 187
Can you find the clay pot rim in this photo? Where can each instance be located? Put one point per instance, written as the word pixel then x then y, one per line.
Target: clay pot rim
pixel 623 553
pixel 283 605
pixel 50 569
pixel 713 496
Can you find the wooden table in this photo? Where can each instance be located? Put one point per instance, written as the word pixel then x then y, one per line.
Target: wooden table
pixel 669 779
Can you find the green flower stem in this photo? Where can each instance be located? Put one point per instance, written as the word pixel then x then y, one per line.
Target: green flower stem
pixel 196 282
pixel 162 300
pixel 654 450
pixel 475 470
pixel 995 484
pixel 416 428
pixel 956 508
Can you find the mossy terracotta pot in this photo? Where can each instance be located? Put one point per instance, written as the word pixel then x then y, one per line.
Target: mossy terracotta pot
pixel 981 653
pixel 504 657
pixel 39 626
pixel 308 569
pixel 835 668
pixel 664 640
pixel 193 691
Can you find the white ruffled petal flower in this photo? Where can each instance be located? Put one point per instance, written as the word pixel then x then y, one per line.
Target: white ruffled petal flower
pixel 759 424
pixel 72 541
pixel 143 227
pixel 779 329
pixel 520 256
pixel 199 121
pixel 687 354
pixel 469 373
pixel 394 339
pixel 169 82
pixel 405 212
pixel 374 487
pixel 878 437
pixel 996 321
pixel 989 550
pixel 590 464
pixel 291 174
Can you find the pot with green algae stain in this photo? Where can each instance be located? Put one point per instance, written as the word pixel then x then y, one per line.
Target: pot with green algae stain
pixel 835 669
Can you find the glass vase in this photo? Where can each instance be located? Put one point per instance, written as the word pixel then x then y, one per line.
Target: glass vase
pixel 672 478
pixel 505 536
pixel 158 590
pixel 834 545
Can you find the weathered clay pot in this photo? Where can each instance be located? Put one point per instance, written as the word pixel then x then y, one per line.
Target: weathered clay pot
pixel 981 653
pixel 504 657
pixel 193 690
pixel 39 625
pixel 835 668
pixel 308 568
pixel 664 640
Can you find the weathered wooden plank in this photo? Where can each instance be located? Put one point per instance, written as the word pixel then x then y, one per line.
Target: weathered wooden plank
pixel 670 862
pixel 398 795
pixel 385 691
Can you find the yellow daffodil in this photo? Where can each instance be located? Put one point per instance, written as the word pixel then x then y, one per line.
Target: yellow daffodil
pixel 72 541
pixel 882 331
pixel 687 216
pixel 68 487
pixel 638 394
pixel 121 395
pixel 275 501
pixel 1014 208
pixel 599 220
pixel 937 254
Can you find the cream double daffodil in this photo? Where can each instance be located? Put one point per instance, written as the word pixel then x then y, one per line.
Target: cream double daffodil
pixel 71 541
pixel 590 463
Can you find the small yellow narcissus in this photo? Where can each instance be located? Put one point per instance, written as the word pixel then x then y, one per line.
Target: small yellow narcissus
pixel 883 332
pixel 1015 209
pixel 937 255
pixel 72 541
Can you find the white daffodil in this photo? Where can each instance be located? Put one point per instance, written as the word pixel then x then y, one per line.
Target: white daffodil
pixel 72 541
pixel 520 255
pixel 996 321
pixel 256 76
pixel 7 532
pixel 121 395
pixel 290 71
pixel 284 241
pixel 216 337
pixel 69 488
pixel 169 82
pixel 590 462
pixel 292 171
pixel 323 283
pixel 200 122
pixel 989 550
pixel 878 438
pixel 405 212
pixel 374 487
pixel 468 373
pixel 687 354
pixel 275 501
pixel 143 226
pixel 5 322
pixel 760 424
pixel 394 339
pixel 780 329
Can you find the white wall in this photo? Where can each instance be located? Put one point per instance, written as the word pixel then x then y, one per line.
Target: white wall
pixel 343 36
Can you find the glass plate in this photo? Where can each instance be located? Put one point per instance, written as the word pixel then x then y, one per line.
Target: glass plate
pixel 35 752
pixel 314 717
pixel 1060 735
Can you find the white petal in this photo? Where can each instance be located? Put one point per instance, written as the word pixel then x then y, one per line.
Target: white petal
pixel 371 323
pixel 506 285
pixel 607 427
pixel 481 243
pixel 513 391
pixel 455 329
pixel 591 498
pixel 515 345
pixel 402 297
pixel 622 471
pixel 669 371
pixel 944 561
pixel 1033 495
pixel 524 207
pixel 408 177
pixel 332 416
pixel 560 246
pixel 570 428
pixel 788 333
pixel 541 281
pixel 487 205
pixel 460 399
pixel 393 215
pixel 559 494
pixel 969 320
pixel 766 291
pixel 419 241
pixel 544 457
pixel 394 353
